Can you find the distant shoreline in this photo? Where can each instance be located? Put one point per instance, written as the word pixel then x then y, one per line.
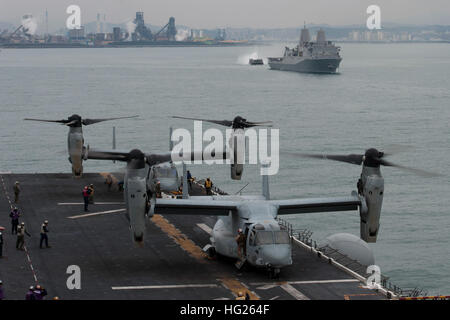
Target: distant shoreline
pixel 184 44
pixel 125 45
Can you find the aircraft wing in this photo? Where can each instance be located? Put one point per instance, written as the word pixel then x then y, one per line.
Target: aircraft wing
pixel 156 158
pixel 107 154
pixel 296 206
pixel 195 207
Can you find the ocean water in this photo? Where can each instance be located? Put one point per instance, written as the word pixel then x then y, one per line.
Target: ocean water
pixel 385 94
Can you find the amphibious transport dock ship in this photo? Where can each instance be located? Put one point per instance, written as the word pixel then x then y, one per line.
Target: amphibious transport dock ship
pixel 171 265
pixel 321 56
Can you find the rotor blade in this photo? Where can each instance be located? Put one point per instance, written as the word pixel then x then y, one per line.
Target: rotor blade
pixel 225 123
pixel 418 172
pixel 42 120
pixel 87 122
pixel 351 158
pixel 107 155
pixel 260 124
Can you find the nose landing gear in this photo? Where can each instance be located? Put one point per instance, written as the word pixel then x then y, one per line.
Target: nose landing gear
pixel 274 273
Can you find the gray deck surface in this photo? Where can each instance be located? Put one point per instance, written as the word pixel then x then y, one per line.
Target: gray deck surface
pixel 101 246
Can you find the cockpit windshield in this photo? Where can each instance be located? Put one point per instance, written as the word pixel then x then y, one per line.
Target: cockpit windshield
pixel 166 172
pixel 272 237
pixel 263 237
pixel 282 237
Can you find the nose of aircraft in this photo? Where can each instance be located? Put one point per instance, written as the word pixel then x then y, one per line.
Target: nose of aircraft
pixel 278 255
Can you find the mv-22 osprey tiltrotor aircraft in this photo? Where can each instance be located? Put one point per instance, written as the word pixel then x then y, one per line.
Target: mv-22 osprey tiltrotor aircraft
pixel 267 245
pixel 75 140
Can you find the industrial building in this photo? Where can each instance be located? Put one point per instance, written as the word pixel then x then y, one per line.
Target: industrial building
pixel 133 33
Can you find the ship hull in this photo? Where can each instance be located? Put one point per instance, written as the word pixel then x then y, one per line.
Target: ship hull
pixel 306 65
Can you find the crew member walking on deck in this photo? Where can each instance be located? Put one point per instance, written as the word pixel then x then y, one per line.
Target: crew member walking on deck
pixel 91 194
pixel 189 179
pixel 39 292
pixel 14 215
pixel 44 237
pixel 86 193
pixel 16 192
pixel 240 296
pixel 240 240
pixel 158 190
pixel 208 186
pixel 30 294
pixel 21 231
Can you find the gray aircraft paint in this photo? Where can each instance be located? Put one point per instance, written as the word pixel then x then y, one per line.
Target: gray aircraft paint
pixel 255 214
pixel 75 147
pixel 373 191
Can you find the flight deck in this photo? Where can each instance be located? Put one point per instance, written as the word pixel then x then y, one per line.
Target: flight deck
pixel 170 266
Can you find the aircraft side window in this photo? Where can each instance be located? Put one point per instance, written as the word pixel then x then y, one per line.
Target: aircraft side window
pixel 251 238
pixel 264 237
pixel 282 237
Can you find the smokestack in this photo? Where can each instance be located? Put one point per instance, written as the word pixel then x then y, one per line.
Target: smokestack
pixel 304 36
pixel 98 23
pixel 321 36
pixel 46 23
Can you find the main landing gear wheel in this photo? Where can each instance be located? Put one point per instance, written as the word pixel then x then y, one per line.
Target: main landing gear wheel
pixel 274 273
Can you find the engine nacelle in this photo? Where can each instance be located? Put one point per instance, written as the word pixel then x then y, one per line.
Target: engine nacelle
pixel 76 150
pixel 136 199
pixel 372 189
pixel 237 147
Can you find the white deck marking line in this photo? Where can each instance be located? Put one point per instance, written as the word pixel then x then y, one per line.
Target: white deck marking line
pixel 82 203
pixel 294 292
pixel 170 286
pixel 268 285
pixel 205 228
pixel 324 281
pixel 96 214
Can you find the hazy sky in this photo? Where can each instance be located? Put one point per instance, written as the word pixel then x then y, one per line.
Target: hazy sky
pixel 233 13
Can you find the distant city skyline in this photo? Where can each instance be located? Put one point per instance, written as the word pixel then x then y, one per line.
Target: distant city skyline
pixel 208 14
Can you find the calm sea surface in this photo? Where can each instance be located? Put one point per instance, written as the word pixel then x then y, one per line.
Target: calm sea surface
pixel 385 94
